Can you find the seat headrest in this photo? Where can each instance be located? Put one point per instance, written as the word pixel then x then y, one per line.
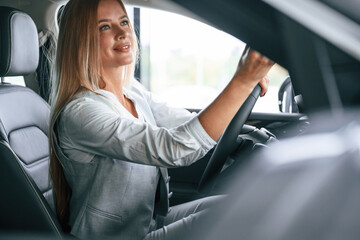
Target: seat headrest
pixel 19 47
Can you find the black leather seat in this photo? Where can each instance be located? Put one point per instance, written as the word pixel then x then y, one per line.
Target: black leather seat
pixel 26 194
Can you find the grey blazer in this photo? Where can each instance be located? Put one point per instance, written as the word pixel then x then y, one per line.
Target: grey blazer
pixel 121 200
pixel 115 162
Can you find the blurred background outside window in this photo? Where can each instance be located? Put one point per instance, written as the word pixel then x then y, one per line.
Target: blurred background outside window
pixel 187 63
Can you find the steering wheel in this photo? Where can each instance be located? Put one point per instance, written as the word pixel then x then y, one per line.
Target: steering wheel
pixel 227 142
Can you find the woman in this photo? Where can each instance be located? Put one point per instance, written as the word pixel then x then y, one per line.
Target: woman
pixel 111 140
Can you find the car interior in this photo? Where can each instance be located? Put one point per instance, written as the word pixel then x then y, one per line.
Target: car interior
pixel 24 132
pixel 324 64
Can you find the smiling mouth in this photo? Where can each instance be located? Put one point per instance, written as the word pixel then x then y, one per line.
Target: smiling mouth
pixel 123 48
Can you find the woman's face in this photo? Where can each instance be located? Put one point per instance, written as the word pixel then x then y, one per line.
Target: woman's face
pixel 115 35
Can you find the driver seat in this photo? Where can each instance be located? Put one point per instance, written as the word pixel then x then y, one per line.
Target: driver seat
pixel 26 199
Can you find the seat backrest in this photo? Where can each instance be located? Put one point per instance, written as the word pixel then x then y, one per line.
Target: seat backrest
pixel 24 119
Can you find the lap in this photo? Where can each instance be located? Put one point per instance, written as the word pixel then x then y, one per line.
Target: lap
pixel 182 218
pixel 180 211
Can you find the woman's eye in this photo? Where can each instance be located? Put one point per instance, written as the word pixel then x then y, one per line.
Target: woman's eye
pixel 105 27
pixel 123 23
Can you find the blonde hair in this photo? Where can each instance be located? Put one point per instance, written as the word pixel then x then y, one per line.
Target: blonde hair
pixel 77 69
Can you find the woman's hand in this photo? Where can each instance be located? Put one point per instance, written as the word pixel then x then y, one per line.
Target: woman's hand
pixel 252 69
pixel 264 84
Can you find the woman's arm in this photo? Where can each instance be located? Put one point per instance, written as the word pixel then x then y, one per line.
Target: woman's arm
pixel 251 70
pixel 89 126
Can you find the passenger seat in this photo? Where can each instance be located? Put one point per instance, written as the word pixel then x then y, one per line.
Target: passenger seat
pixel 26 195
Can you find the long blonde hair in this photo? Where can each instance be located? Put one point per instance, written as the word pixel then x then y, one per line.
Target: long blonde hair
pixel 77 68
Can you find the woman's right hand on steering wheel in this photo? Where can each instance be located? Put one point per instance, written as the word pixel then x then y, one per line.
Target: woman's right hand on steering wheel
pixel 251 70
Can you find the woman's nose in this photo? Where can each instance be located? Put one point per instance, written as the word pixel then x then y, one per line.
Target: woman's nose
pixel 121 33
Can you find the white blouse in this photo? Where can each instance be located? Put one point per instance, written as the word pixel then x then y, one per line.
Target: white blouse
pixel 97 124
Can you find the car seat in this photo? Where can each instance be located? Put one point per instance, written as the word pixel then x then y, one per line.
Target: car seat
pixel 26 194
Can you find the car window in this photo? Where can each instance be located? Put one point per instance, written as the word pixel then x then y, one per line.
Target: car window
pixel 187 63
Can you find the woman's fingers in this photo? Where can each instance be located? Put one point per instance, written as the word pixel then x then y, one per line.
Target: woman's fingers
pixel 259 61
pixel 253 66
pixel 264 84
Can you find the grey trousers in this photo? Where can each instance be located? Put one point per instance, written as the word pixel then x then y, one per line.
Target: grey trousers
pixel 182 219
